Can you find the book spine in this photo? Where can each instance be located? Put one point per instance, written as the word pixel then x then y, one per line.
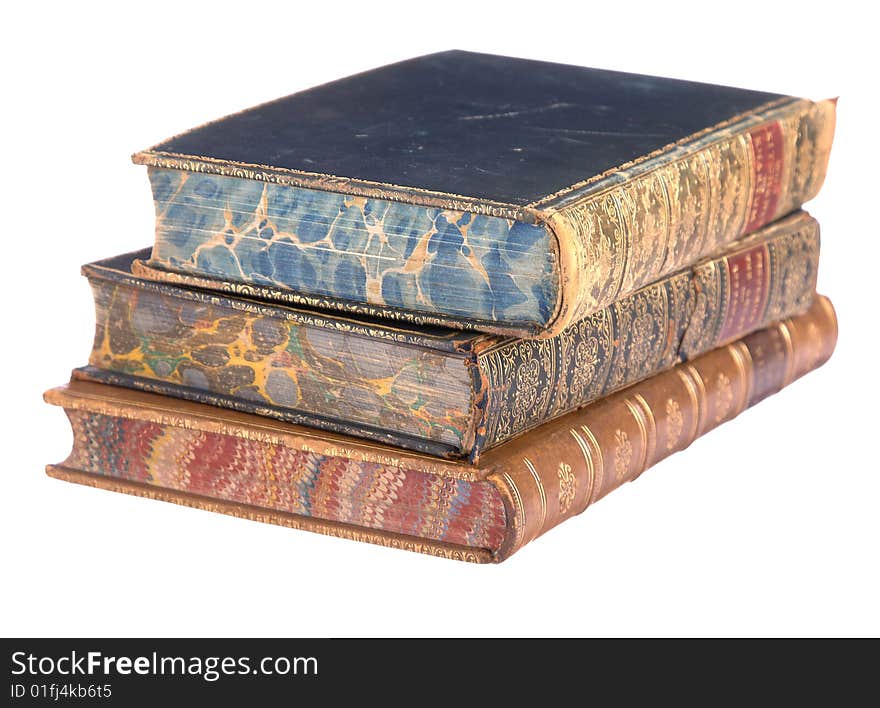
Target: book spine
pixel 636 223
pixel 524 383
pixel 586 455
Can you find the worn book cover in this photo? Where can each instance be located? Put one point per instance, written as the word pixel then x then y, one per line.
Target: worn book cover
pixel 251 466
pixel 440 391
pixel 478 192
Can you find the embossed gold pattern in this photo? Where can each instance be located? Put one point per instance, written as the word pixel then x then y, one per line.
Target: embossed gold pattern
pixel 789 353
pixel 613 232
pixel 612 441
pixel 519 512
pixel 744 366
pixel 331 183
pixel 650 330
pixel 594 461
pixel 639 418
pixel 699 386
pixel 567 487
pixel 567 191
pixel 539 485
pixel 623 453
pixel 725 397
pixel 676 205
pixel 318 302
pixel 675 423
pixel 539 476
pixel 644 415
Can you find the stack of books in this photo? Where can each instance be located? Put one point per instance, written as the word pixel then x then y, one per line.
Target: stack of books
pixel 447 304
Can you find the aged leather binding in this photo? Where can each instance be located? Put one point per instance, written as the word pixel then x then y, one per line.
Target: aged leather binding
pixel 439 391
pixel 478 192
pixel 245 465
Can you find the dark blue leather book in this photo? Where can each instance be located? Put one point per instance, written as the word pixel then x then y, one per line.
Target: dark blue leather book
pixel 476 191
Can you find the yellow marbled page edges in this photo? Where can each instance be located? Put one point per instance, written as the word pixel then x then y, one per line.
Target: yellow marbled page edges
pixel 207 345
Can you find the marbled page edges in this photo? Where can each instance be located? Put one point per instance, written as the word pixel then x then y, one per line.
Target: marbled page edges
pixel 353 248
pixel 453 397
pixel 259 355
pixel 211 458
pixel 364 494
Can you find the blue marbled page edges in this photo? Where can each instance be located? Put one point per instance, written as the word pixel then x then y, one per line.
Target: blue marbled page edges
pixel 361 249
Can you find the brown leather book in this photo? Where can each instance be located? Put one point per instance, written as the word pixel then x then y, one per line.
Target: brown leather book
pixel 245 465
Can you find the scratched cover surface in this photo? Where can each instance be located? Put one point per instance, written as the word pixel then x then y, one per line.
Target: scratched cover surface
pixel 478 192
pixel 491 127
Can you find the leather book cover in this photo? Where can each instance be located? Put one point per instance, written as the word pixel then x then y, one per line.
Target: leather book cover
pixel 479 192
pixel 431 389
pixel 245 465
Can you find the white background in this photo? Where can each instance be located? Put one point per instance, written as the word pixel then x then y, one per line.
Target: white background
pixel 768 526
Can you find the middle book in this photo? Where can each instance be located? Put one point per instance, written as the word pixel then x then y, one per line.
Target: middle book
pixel 434 390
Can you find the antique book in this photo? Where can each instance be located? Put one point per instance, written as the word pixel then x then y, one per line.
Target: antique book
pixel 478 192
pixel 255 467
pixel 440 391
